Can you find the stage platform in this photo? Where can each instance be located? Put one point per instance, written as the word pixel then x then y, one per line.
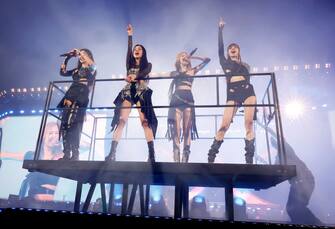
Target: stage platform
pixel 180 175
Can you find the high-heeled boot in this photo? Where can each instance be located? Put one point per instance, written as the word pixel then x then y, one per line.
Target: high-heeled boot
pixel 186 154
pixel 151 155
pixel 250 151
pixel 214 150
pixel 112 152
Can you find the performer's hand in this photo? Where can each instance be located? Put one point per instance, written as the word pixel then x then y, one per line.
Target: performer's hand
pixel 221 23
pixel 130 30
pixel 128 79
pixel 67 102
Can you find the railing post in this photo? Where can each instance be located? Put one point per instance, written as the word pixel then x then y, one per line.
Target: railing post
pixel 43 122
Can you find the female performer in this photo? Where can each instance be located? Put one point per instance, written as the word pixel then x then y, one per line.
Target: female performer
pixel 135 92
pixel 239 91
pixel 181 102
pixel 75 101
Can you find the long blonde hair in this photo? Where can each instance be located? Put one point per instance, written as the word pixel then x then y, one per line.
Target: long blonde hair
pixel 178 64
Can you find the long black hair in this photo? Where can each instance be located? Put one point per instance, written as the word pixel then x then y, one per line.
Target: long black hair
pixel 143 61
pixel 90 54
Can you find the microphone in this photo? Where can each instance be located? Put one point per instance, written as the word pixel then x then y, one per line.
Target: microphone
pixel 68 54
pixel 193 51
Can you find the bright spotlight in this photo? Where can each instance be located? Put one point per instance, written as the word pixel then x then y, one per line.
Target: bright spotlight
pixel 294 109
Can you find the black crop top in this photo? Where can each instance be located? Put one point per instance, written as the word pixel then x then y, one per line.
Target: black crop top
pixel 182 78
pixel 87 73
pixel 232 68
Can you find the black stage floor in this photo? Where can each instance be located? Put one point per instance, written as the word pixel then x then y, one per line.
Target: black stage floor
pixel 180 175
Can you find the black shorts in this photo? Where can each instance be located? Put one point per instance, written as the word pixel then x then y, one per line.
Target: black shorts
pixel 239 91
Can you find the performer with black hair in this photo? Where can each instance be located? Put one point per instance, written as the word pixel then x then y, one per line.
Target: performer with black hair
pixel 136 92
pixel 76 99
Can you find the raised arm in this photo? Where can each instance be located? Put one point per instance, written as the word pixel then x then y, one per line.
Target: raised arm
pixel 63 71
pixel 144 73
pixel 205 61
pixel 130 44
pixel 223 60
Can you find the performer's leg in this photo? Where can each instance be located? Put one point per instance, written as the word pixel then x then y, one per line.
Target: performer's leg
pixel 250 135
pixel 187 124
pixel 226 121
pixel 65 130
pixel 66 145
pixel 75 141
pixel 149 136
pixel 176 135
pixel 124 114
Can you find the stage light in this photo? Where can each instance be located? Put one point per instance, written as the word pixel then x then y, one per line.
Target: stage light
pixel 65 87
pixel 276 68
pixel 327 65
pixel 199 199
pixel 21 111
pixel 324 105
pixel 32 89
pixel 156 198
pixel 317 66
pixel 40 111
pixel 12 90
pixel 45 89
pixel 295 67
pixel 33 111
pixel 11 112
pixel 313 108
pixel 285 68
pixel 96 109
pixel 38 89
pixel 239 201
pixel 24 89
pixel 254 69
pixel 294 109
pixel 56 111
pixel 18 90
pixel 217 71
pixel 307 66
pixel 207 72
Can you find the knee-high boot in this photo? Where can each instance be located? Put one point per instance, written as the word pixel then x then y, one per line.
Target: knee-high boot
pixel 112 152
pixel 249 151
pixel 151 156
pixel 214 150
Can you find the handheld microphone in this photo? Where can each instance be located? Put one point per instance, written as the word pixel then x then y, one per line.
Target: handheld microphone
pixel 72 53
pixel 193 51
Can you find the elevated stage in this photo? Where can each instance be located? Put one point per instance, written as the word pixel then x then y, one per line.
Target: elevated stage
pixel 180 175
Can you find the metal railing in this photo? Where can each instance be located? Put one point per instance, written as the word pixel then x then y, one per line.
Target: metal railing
pixel 270 101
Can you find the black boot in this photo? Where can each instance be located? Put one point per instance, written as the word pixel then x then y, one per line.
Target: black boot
pixel 112 152
pixel 186 154
pixel 66 150
pixel 151 156
pixel 214 150
pixel 66 157
pixel 75 155
pixel 250 151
